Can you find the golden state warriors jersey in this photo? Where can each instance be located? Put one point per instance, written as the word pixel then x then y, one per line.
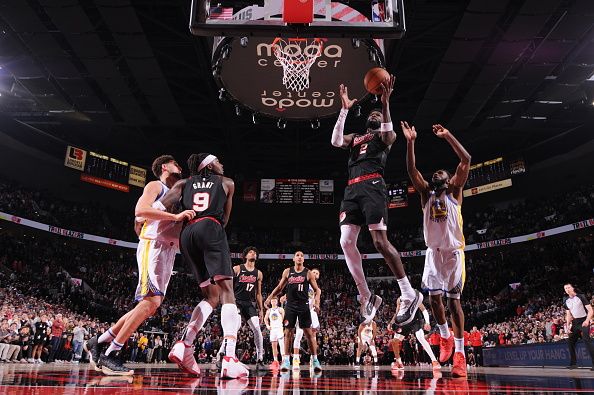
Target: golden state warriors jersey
pixel 275 318
pixel 442 222
pixel 161 230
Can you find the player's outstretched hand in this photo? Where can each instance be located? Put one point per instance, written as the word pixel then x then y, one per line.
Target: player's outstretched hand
pixel 186 215
pixel 344 97
pixel 409 131
pixel 387 88
pixel 440 131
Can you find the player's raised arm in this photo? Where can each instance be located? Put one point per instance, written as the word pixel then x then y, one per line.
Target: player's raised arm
pixel 229 187
pixel 420 184
pixel 338 138
pixel 146 207
pixel 387 130
pixel 459 178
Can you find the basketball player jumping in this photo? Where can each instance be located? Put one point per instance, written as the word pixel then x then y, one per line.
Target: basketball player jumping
pixel 203 243
pixel 297 279
pixel 444 270
pixel 274 323
pixel 315 321
pixel 366 335
pixel 365 202
pixel 157 246
pixel 247 286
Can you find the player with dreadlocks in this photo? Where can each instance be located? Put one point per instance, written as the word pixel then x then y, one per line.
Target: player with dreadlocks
pixel 203 243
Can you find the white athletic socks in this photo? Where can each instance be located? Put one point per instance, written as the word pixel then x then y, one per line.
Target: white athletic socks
pixel 407 291
pixel 114 346
pixel 199 317
pixel 444 331
pixel 229 319
pixel 459 344
pixel 107 336
pixel 254 324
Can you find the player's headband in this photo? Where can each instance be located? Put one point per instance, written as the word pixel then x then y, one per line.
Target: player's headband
pixel 206 161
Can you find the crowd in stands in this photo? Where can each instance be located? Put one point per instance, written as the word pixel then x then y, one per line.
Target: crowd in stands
pixel 513 294
pixel 489 223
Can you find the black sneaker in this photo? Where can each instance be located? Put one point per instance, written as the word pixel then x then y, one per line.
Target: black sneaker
pixel 91 346
pixel 111 365
pixel 572 366
pixel 408 309
pixel 259 364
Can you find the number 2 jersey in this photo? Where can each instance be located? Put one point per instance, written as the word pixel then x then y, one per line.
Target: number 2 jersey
pixel 367 155
pixel 206 196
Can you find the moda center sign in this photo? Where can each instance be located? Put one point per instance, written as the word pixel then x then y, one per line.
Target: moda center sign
pixel 251 74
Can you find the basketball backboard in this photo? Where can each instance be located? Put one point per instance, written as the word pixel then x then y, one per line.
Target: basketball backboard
pixel 358 19
pixel 284 74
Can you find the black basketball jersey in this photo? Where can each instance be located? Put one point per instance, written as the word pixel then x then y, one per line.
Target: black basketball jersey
pixel 245 283
pixel 206 196
pixel 367 154
pixel 298 288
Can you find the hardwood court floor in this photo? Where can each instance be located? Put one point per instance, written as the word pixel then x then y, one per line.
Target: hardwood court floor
pixel 157 379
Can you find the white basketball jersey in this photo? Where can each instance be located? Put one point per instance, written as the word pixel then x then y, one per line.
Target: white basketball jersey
pixel 442 222
pixel 161 230
pixel 275 317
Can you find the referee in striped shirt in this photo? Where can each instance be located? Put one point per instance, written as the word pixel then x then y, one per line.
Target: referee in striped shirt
pixel 578 317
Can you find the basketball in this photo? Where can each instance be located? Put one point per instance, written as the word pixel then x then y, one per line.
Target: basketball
pixel 374 78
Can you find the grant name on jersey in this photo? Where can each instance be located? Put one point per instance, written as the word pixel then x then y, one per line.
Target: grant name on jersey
pixel 202 184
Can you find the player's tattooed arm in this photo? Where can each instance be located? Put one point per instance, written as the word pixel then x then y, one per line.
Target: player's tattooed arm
pixel 148 208
pixel 229 187
pixel 259 297
pixel 387 87
pixel 420 184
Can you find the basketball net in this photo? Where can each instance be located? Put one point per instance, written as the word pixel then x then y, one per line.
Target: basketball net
pixel 297 55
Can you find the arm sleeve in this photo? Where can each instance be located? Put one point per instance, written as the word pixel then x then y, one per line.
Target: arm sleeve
pixel 426 316
pixel 338 132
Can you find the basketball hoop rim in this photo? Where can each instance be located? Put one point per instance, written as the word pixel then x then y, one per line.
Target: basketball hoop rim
pixel 311 59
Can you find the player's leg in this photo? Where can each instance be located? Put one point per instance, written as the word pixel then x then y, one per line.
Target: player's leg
pixel 420 335
pixel 396 344
pixel 373 351
pixel 305 323
pixel 254 324
pixel 453 270
pixel 290 321
pixel 375 211
pixel 297 340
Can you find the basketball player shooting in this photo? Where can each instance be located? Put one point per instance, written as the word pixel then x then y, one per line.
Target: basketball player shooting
pixel 442 228
pixel 365 202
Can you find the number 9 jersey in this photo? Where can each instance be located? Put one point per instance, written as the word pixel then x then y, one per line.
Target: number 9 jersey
pixel 206 196
pixel 203 241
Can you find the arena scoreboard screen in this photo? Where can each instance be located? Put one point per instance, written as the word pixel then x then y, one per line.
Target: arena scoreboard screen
pixel 296 191
pixel 102 170
pixel 492 175
pixel 397 194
